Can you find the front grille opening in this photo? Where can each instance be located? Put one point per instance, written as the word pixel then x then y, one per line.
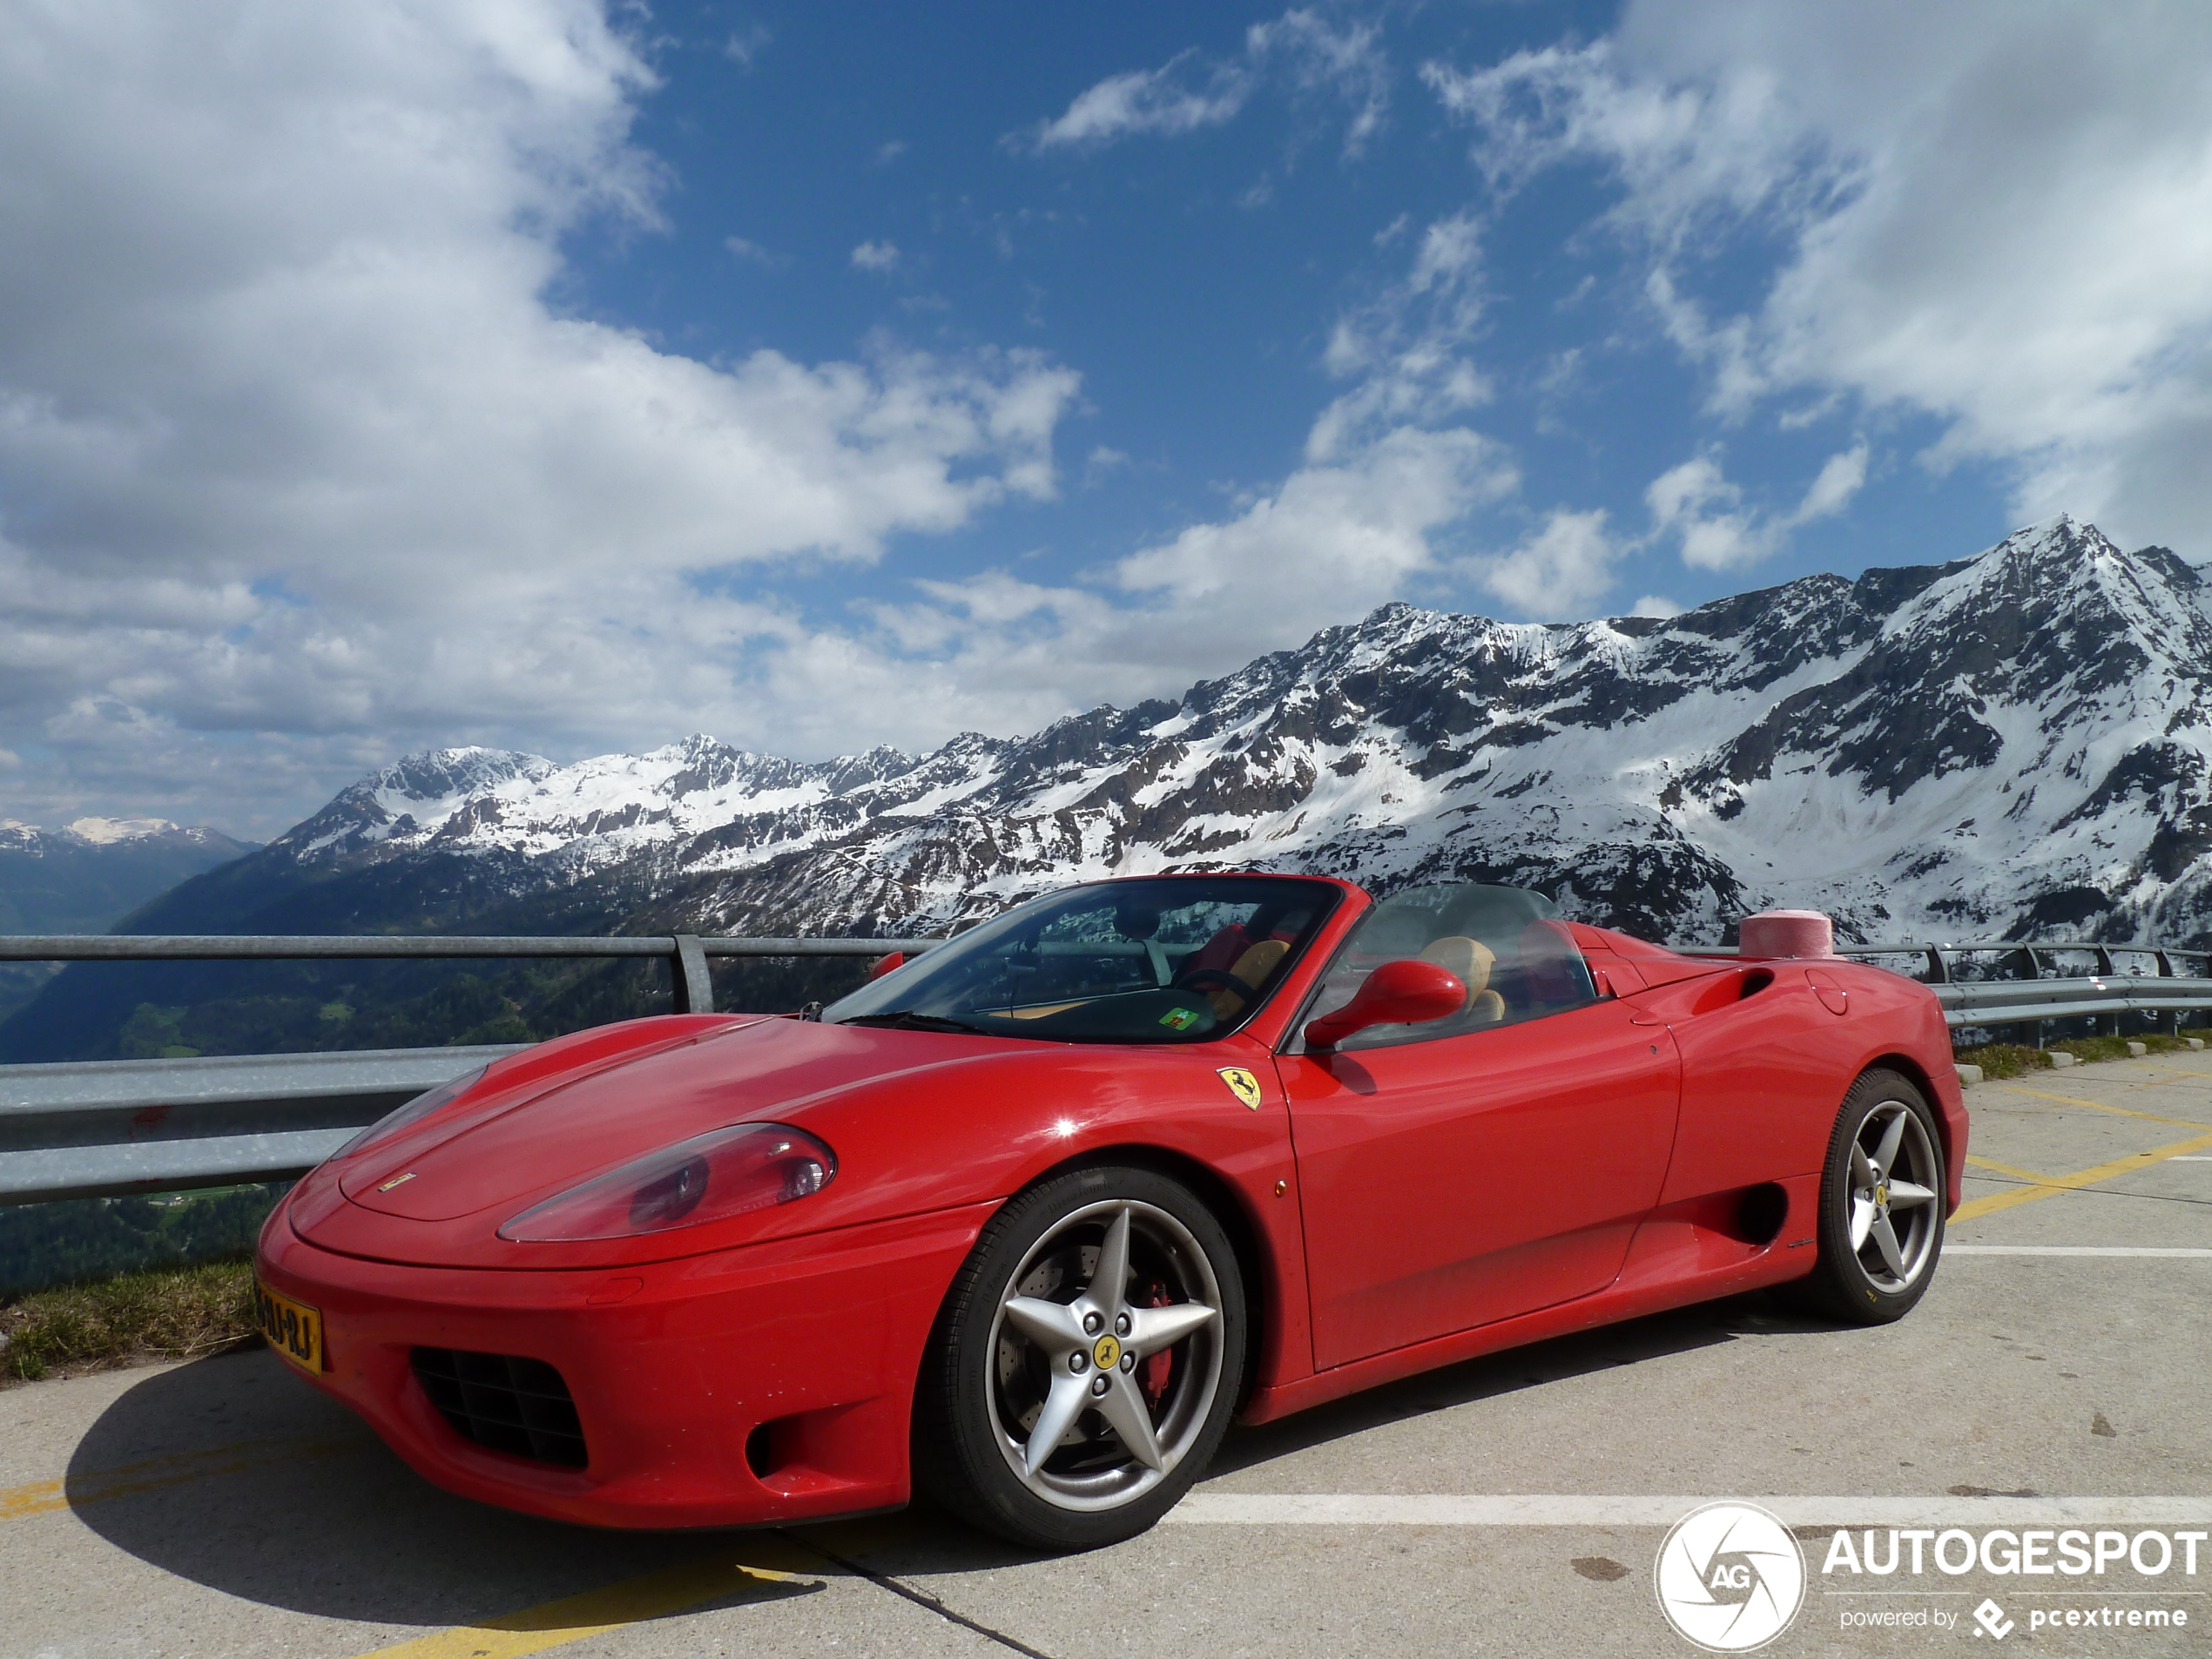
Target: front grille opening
pixel 504 1403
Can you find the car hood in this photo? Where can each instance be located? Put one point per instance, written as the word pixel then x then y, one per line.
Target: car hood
pixel 574 1127
pixel 917 1120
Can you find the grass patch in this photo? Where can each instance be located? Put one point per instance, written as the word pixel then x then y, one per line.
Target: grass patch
pixel 2013 1060
pixel 173 1313
pixel 2087 1049
pixel 2005 1059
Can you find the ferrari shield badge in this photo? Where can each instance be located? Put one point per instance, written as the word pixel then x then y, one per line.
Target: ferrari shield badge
pixel 1242 1084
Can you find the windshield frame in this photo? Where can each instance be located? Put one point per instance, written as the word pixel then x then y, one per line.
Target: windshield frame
pixel 1330 896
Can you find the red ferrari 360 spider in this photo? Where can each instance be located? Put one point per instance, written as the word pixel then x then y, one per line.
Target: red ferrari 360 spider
pixel 1026 1220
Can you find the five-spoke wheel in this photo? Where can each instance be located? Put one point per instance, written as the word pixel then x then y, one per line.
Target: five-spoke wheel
pixel 1086 1361
pixel 1881 1203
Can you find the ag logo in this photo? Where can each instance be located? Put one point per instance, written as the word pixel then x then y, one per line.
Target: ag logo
pixel 1730 1577
pixel 1242 1084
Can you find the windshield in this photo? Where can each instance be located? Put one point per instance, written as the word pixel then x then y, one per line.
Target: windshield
pixel 1157 959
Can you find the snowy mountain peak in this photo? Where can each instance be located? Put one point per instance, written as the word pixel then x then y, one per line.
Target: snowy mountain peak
pixel 2019 741
pixel 84 833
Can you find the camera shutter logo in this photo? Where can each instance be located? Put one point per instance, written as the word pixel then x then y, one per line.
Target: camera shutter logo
pixel 1730 1577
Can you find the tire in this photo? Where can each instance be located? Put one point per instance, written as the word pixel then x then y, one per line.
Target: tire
pixel 1032 1326
pixel 1879 1275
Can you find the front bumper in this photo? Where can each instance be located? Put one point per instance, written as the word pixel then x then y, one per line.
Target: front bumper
pixel 772 1383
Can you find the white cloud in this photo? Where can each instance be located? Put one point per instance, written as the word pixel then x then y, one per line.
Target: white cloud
pixel 1004 654
pixel 876 256
pixel 1718 533
pixel 1842 476
pixel 1300 50
pixel 753 253
pixel 1559 572
pixel 1407 348
pixel 292 444
pixel 1333 539
pixel 1695 500
pixel 2003 218
pixel 1149 100
pixel 743 45
pixel 1347 65
pixel 1656 605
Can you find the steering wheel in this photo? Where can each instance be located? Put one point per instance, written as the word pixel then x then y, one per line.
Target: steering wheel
pixel 1206 979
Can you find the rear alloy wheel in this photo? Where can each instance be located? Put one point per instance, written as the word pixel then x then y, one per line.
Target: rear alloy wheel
pixel 1086 1363
pixel 1881 1203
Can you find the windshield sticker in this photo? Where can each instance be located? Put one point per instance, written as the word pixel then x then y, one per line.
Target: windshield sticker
pixel 1179 1019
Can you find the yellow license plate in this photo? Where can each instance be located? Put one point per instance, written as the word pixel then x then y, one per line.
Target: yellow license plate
pixel 294 1329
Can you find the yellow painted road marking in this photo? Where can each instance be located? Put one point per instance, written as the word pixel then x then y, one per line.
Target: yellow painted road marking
pixel 2098 1106
pixel 2052 1185
pixel 75 1491
pixel 1974 1160
pixel 652 1595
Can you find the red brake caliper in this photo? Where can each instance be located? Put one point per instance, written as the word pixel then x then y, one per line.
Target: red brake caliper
pixel 1159 1366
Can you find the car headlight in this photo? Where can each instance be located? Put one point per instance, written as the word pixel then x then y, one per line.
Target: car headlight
pixel 710 1177
pixel 421 1107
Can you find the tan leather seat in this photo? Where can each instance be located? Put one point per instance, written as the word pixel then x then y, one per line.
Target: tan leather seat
pixel 1470 960
pixel 1253 967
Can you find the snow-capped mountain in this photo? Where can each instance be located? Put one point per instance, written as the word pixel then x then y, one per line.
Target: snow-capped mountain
pixel 85 877
pixel 2016 743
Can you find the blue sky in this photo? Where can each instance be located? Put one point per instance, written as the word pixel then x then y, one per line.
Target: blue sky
pixel 535 373
pixel 1194 278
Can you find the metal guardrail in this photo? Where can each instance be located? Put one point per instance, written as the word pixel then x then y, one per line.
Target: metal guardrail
pixel 87 1128
pixel 99 1128
pixel 2031 1002
pixel 687 955
pixel 2032 989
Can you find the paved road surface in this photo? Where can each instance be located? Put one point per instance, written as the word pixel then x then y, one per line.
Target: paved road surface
pixel 220 1508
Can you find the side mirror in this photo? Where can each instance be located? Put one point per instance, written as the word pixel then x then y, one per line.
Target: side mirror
pixel 1404 993
pixel 884 965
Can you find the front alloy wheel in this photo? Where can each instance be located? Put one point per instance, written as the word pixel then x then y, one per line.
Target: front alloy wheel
pixel 1086 1362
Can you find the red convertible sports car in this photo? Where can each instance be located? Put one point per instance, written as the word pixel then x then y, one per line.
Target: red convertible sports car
pixel 1025 1221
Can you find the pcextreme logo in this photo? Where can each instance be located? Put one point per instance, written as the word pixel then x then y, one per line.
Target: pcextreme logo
pixel 1730 1577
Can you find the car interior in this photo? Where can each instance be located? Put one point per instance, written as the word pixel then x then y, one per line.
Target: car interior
pixel 1506 945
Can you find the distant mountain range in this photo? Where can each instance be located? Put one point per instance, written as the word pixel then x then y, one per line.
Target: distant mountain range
pixel 2018 744
pixel 83 879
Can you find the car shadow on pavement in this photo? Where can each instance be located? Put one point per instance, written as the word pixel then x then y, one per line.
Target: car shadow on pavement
pixel 230 1473
pixel 1705 1325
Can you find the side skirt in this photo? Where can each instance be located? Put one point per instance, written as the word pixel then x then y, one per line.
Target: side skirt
pixel 1677 1258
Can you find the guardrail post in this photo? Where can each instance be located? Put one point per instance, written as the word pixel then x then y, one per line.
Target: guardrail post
pixel 2105 970
pixel 1938 970
pixel 688 978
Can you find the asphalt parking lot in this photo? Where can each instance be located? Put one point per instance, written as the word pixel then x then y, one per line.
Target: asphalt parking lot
pixel 2058 1375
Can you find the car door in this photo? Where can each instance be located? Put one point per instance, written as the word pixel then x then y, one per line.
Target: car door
pixel 1452 1180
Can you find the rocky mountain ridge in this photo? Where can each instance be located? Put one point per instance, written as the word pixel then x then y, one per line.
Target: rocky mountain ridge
pixel 2018 744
